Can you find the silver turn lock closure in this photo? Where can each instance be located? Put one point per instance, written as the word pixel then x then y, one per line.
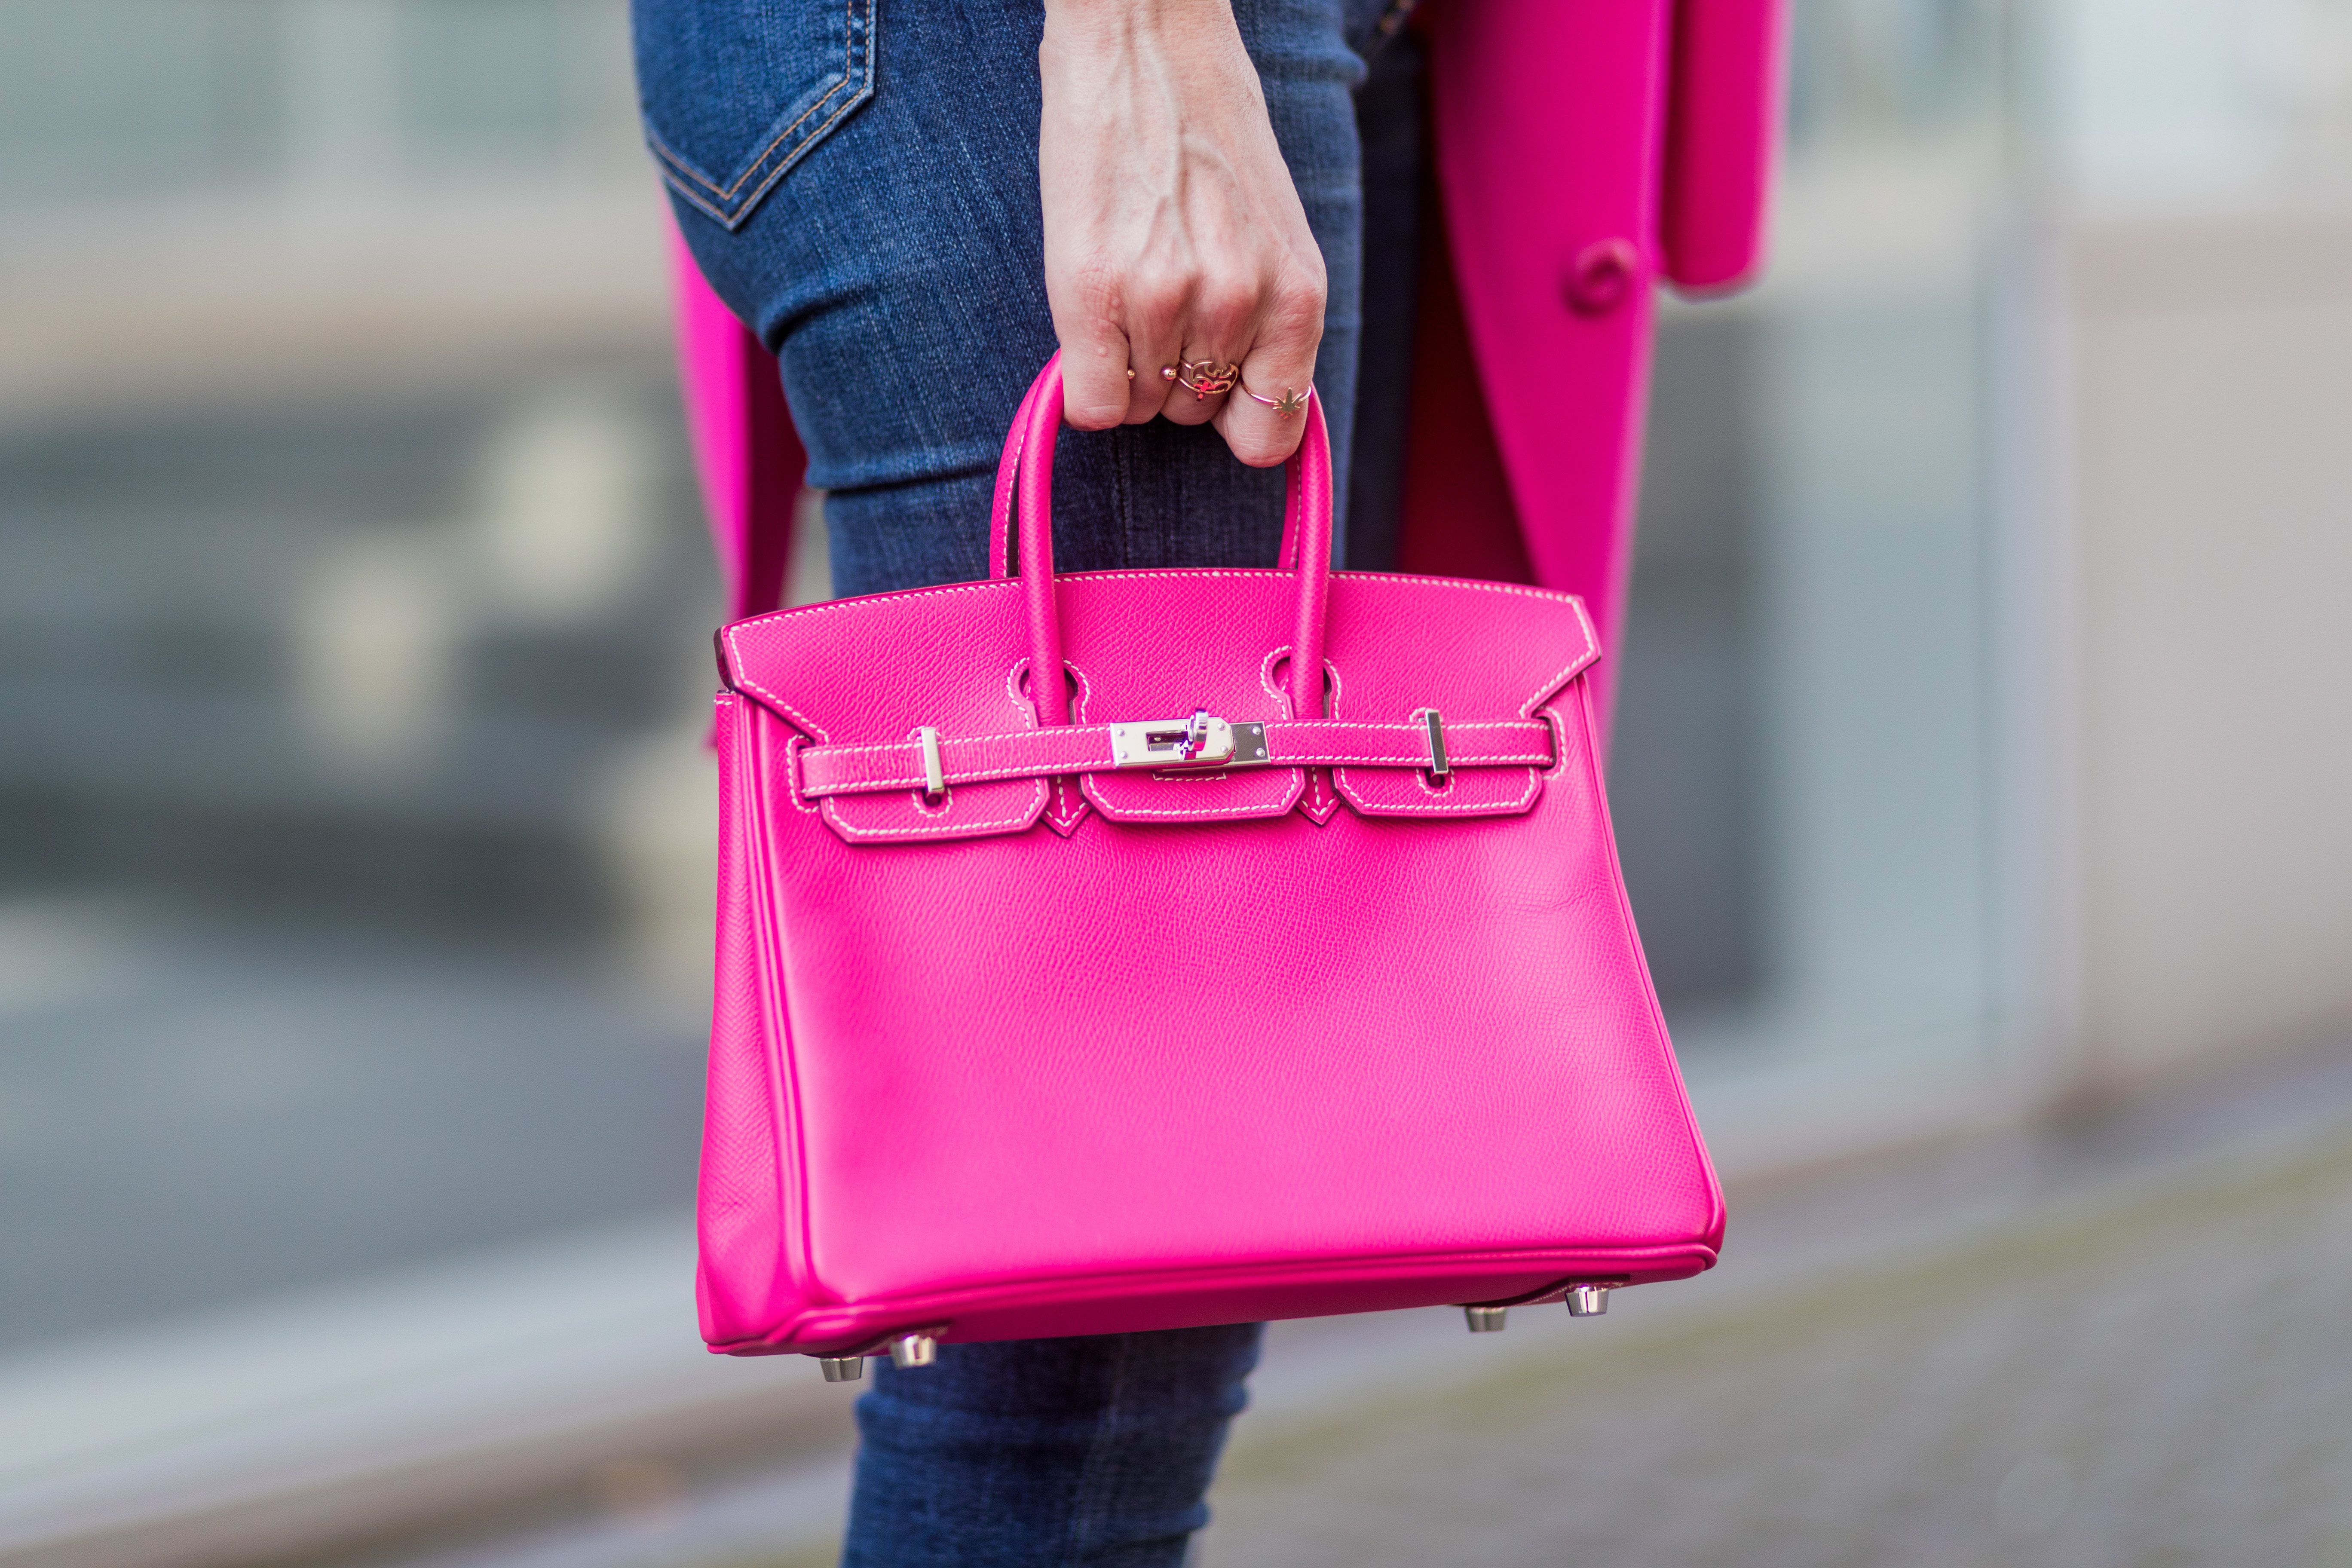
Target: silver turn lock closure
pixel 1203 741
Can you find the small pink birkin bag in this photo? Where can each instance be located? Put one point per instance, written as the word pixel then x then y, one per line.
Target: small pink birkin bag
pixel 1138 950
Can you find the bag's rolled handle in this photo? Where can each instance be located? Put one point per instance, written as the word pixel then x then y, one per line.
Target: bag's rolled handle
pixel 1025 498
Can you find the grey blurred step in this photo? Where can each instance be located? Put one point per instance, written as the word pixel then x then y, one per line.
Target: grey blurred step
pixel 198 1110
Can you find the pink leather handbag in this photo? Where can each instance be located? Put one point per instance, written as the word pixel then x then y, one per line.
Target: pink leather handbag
pixel 1138 950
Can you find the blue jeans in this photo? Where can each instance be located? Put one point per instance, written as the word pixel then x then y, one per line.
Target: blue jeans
pixel 858 180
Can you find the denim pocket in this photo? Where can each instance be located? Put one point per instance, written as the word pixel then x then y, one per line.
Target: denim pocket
pixel 735 92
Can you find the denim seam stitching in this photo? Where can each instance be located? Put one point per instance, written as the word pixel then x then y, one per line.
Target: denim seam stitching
pixel 848 62
pixel 675 169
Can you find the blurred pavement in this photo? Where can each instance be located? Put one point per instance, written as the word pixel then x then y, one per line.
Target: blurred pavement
pixel 2153 1371
pixel 2114 1342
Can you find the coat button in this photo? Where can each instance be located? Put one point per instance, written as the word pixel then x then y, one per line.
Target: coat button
pixel 1603 277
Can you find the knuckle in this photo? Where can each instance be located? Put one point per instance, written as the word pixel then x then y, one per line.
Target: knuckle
pixel 1223 302
pixel 1295 315
pixel 1157 292
pixel 1098 288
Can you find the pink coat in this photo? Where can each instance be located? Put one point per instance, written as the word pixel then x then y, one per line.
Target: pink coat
pixel 1585 149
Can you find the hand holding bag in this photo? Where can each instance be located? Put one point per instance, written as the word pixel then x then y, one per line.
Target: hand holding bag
pixel 1141 950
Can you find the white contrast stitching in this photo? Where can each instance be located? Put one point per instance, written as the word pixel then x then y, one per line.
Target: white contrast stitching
pixel 1266 679
pixel 1526 797
pixel 1315 788
pixel 1288 759
pixel 1062 811
pixel 849 59
pixel 1592 654
pixel 1218 813
pixel 1559 741
pixel 944 830
pixel 954 775
pixel 1584 621
pixel 1046 770
pixel 1000 519
pixel 1321 797
pixel 1403 724
pixel 744 682
pixel 1087 785
pixel 1399 764
pixel 792 774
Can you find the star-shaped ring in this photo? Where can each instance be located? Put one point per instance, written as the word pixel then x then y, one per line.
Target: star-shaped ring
pixel 1288 404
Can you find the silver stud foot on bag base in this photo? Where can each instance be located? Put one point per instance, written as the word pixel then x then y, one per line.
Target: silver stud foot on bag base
pixel 906 1351
pixel 1485 1320
pixel 1587 1300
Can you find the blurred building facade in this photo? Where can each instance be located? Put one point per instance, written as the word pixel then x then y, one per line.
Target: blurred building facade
pixel 356 592
pixel 2185 329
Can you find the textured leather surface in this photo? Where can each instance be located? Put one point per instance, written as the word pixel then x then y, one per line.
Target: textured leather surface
pixel 1263 1044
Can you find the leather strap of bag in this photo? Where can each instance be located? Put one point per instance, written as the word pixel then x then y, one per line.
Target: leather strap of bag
pixel 1088 748
pixel 1008 470
pixel 1025 476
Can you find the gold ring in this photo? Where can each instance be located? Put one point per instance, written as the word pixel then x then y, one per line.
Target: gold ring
pixel 1288 404
pixel 1203 377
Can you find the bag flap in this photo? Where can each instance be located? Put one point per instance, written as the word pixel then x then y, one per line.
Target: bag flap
pixel 1154 646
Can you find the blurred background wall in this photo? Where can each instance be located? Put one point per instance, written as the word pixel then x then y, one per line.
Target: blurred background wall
pixel 353 640
pixel 1982 746
pixel 2194 296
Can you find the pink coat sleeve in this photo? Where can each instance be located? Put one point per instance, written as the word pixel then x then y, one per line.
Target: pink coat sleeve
pixel 747 454
pixel 1585 149
pixel 1726 84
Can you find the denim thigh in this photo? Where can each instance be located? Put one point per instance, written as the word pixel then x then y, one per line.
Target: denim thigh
pixel 870 207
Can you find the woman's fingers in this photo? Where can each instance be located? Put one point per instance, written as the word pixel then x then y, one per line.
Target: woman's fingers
pixel 1155 334
pixel 1227 302
pixel 1095 384
pixel 1197 392
pixel 1278 368
pixel 1173 235
pixel 1190 339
